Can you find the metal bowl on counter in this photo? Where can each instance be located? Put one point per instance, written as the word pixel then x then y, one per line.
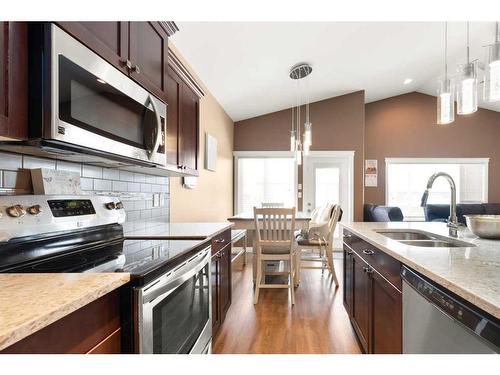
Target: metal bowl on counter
pixel 484 226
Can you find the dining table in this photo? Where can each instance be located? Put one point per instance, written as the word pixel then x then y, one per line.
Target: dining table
pixel 245 220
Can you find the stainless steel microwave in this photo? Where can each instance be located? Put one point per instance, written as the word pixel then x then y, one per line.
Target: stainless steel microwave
pixel 81 103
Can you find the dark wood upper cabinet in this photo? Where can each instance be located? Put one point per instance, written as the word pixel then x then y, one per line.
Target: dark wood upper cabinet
pixel 110 40
pixel 183 122
pixel 149 55
pixel 13 80
pixel 189 132
pixel 174 93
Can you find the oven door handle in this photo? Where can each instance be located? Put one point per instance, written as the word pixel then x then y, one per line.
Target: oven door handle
pixel 169 283
pixel 152 152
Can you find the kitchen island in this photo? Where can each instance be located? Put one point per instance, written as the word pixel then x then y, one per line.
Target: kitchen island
pixel 376 253
pixel 30 303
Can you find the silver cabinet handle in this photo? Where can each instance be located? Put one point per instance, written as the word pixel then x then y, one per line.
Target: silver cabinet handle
pixel 368 252
pixel 136 69
pixel 158 127
pixel 127 63
pixel 347 235
pixel 220 240
pixel 368 270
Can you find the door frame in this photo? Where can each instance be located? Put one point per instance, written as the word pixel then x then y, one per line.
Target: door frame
pixel 345 155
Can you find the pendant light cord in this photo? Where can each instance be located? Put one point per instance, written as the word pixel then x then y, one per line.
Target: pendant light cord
pixel 446 51
pixel 468 55
pixel 497 33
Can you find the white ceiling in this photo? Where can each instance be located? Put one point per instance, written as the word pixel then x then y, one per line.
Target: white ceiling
pixel 246 64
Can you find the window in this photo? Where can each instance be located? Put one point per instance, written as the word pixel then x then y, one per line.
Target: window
pixel 406 180
pixel 260 178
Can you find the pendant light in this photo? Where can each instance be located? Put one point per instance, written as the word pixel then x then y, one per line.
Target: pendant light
pixel 445 98
pixel 467 84
pixel 492 70
pixel 300 143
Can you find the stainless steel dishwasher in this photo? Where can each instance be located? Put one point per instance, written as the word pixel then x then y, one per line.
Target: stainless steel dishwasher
pixel 435 321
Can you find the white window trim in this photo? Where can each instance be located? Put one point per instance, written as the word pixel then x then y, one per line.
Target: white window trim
pixel 260 154
pixel 484 161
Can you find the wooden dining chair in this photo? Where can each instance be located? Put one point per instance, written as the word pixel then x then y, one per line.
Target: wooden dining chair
pixel 322 240
pixel 275 241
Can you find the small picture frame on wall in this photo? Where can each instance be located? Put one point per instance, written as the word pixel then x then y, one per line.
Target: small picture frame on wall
pixel 210 152
pixel 371 172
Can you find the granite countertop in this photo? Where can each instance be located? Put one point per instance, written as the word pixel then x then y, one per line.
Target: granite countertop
pixel 200 231
pixel 472 272
pixel 30 302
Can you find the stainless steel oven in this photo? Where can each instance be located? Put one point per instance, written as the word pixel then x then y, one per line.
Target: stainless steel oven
pixel 173 313
pixel 85 103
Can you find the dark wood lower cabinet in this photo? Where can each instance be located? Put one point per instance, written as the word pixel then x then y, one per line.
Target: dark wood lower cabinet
pixel 373 303
pixel 93 329
pixel 221 283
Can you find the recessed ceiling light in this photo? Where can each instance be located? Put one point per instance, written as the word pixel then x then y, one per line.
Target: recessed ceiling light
pixel 407 81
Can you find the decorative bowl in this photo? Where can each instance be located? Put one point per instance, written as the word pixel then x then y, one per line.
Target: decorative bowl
pixel 484 226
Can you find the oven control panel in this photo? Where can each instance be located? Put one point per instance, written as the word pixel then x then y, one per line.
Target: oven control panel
pixel 25 215
pixel 73 207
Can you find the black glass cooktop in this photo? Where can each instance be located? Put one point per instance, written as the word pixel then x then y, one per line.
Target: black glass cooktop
pixel 143 259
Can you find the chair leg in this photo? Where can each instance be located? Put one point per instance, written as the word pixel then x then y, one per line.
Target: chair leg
pixel 257 280
pixel 245 251
pixel 332 268
pixel 292 287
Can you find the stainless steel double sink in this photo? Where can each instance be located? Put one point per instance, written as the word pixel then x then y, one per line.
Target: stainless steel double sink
pixel 422 239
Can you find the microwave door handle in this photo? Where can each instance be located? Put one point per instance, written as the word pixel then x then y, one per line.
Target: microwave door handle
pixel 158 127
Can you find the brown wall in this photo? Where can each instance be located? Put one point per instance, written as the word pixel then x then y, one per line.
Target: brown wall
pixel 338 125
pixel 212 199
pixel 405 126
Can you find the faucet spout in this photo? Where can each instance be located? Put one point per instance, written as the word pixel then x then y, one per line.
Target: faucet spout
pixel 452 219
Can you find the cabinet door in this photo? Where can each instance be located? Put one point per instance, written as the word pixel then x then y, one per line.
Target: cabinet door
pixel 386 317
pixel 347 285
pixel 107 39
pixel 188 142
pixel 148 55
pixel 174 94
pixel 225 280
pixel 216 311
pixel 360 308
pixel 13 80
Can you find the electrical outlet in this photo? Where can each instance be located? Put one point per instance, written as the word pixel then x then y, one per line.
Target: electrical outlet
pixel 156 200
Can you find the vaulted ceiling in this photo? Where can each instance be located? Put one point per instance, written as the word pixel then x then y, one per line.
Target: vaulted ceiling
pixel 246 64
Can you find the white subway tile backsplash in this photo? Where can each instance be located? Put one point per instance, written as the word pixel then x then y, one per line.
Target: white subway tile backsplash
pixel 102 185
pixel 110 174
pixel 87 183
pixel 91 171
pixel 134 189
pixel 10 161
pixel 119 186
pixel 126 176
pixel 31 162
pixel 62 165
pixel 134 186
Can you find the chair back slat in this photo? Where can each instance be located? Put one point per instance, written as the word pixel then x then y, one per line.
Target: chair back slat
pixel 274 226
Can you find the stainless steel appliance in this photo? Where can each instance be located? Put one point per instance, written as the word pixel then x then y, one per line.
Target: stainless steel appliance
pixel 80 103
pixel 167 308
pixel 434 321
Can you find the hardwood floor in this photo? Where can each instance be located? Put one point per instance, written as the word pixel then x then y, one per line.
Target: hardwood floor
pixel 317 323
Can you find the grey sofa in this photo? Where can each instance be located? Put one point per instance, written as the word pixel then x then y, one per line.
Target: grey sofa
pixel 440 212
pixel 375 212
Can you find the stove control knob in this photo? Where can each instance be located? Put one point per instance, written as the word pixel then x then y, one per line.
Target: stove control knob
pixel 35 209
pixel 16 211
pixel 110 205
pixel 119 205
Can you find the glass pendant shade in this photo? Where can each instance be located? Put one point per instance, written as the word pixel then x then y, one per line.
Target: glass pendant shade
pixel 292 141
pixel 445 102
pixel 492 73
pixel 466 89
pixel 298 156
pixel 307 133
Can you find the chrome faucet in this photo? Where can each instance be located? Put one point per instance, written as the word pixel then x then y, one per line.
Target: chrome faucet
pixel 452 220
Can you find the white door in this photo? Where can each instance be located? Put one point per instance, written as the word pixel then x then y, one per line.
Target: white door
pixel 328 179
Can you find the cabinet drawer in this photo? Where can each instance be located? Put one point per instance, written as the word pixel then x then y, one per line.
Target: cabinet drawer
pixel 384 264
pixel 221 240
